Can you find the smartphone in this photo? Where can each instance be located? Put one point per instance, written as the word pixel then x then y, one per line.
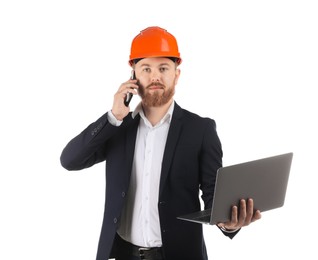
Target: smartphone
pixel 129 95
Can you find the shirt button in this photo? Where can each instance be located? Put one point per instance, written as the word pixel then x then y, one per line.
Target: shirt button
pixel 115 220
pixel 123 194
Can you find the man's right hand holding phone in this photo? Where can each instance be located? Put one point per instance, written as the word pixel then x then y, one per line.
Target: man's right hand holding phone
pixel 120 109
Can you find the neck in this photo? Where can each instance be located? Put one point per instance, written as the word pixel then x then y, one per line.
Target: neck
pixel 155 114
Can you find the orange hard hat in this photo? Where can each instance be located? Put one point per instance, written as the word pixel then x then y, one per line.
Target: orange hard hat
pixel 154 42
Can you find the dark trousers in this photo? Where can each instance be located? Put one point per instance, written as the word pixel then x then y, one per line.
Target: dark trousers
pixel 128 258
pixel 127 251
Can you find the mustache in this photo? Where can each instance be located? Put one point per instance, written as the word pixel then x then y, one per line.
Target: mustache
pixel 156 84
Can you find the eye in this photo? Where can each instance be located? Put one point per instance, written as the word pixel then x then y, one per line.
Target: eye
pixel 163 69
pixel 146 69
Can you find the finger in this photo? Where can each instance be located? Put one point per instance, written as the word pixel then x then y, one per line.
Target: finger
pixel 123 94
pixel 234 218
pixel 221 225
pixel 131 85
pixel 257 216
pixel 132 80
pixel 249 211
pixel 127 85
pixel 233 221
pixel 242 213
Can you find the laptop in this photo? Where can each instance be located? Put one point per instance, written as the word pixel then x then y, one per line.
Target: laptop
pixel 264 180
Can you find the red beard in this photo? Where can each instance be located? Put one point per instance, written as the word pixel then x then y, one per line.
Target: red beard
pixel 156 98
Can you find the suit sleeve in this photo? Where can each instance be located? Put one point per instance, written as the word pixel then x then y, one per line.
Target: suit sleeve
pixel 211 161
pixel 89 147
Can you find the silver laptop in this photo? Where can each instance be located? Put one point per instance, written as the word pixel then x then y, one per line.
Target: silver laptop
pixel 264 180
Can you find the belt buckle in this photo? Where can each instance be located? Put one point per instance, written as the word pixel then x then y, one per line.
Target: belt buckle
pixel 142 252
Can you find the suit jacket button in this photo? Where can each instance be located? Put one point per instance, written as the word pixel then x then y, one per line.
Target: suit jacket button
pixel 94 131
pixel 115 220
pixel 123 194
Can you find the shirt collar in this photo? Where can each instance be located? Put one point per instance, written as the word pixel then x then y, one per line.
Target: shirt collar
pixel 168 115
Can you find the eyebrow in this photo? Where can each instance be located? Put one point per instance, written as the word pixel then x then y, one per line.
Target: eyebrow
pixel 161 64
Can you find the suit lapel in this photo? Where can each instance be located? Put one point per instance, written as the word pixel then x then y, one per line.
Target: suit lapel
pixel 172 140
pixel 130 144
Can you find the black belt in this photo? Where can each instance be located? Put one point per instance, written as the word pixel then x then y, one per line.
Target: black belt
pixel 145 253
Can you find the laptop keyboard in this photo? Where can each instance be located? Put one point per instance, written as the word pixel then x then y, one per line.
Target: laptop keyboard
pixel 204 216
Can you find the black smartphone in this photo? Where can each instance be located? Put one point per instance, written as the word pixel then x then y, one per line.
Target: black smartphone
pixel 129 95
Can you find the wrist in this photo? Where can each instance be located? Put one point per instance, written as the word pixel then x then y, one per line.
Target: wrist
pixel 118 117
pixel 113 119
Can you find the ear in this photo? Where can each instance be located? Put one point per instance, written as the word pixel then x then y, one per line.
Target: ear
pixel 178 72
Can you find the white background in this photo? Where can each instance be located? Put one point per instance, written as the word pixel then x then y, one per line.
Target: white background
pixel 250 65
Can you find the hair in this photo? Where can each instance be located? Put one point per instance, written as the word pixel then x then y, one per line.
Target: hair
pixel 175 60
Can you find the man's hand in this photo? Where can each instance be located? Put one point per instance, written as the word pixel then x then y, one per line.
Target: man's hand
pixel 242 217
pixel 119 109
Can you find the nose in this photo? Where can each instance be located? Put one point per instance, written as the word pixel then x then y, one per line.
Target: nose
pixel 155 76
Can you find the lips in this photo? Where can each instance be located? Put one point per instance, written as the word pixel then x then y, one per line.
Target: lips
pixel 155 86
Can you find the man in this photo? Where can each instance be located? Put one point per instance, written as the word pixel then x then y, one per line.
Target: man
pixel 157 157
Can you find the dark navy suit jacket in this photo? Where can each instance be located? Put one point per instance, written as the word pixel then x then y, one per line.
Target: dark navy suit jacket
pixel 192 155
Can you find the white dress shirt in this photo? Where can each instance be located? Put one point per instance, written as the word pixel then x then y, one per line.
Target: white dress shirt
pixel 139 222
